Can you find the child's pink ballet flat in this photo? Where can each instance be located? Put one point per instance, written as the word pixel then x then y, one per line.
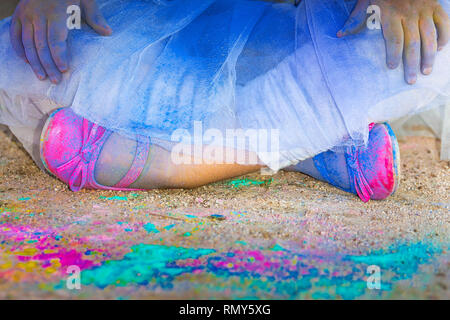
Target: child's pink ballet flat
pixel 371 172
pixel 379 164
pixel 71 145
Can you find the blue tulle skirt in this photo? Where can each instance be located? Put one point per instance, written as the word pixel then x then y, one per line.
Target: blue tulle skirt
pixel 177 66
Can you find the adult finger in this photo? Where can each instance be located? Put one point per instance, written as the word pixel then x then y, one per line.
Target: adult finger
pixel 442 23
pixel 428 39
pixel 394 39
pixel 43 50
pixel 15 34
pixel 411 52
pixel 30 50
pixel 94 18
pixel 57 41
pixel 356 20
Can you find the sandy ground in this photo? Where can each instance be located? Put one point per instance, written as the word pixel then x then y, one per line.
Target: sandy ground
pixel 290 237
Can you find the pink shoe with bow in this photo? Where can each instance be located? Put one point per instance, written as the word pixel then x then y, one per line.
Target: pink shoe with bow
pixel 371 172
pixel 70 146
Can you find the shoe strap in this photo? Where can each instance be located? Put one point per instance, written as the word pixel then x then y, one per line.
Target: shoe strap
pixel 140 158
pixel 360 183
pixel 93 139
pixel 94 136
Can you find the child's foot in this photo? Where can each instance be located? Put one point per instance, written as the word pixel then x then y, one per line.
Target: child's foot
pixel 71 147
pixel 371 173
pixel 85 155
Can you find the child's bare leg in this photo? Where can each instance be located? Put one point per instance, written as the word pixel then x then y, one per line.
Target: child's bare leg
pixel 160 171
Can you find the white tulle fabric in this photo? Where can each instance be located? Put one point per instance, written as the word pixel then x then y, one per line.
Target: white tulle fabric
pixel 227 64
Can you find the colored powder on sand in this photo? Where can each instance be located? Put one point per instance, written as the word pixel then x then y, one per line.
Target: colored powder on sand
pixel 134 195
pixel 150 228
pixel 298 275
pixel 145 263
pixel 248 182
pixel 59 258
pixel 114 198
pixel 28 252
pixel 18 233
pixel 41 252
pixel 217 217
pixel 24 199
pixel 277 247
pixel 403 260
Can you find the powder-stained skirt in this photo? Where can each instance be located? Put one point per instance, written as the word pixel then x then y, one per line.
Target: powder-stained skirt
pixel 172 66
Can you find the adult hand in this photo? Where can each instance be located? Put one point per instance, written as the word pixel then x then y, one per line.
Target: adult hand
pixel 39 32
pixel 413 30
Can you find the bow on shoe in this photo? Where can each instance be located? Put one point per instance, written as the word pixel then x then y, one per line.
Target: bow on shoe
pixel 362 187
pixel 91 140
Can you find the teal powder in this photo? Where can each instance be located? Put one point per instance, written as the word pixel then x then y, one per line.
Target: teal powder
pixel 145 264
pixel 150 228
pixel 403 260
pixel 114 198
pixel 248 182
pixel 277 247
pixel 323 277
